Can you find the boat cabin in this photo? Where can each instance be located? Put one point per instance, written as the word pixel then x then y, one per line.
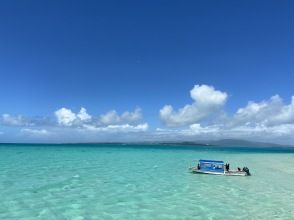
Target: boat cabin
pixel 213 166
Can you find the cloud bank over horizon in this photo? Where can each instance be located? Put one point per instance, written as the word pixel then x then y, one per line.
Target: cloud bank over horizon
pixel 268 120
pixel 202 119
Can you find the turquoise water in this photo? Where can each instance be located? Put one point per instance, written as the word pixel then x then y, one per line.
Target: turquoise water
pixel 141 182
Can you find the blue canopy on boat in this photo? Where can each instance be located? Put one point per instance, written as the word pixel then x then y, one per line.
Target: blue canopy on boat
pixel 216 166
pixel 211 161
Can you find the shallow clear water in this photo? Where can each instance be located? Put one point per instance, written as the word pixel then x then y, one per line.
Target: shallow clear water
pixel 141 182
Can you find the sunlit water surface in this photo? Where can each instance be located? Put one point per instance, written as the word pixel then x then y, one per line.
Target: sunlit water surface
pixel 141 182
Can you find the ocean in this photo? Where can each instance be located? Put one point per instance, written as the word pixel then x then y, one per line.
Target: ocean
pixel 116 181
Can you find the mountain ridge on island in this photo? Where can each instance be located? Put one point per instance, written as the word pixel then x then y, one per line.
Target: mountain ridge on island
pixel 228 143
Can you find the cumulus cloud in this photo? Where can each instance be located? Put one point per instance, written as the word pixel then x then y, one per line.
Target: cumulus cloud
pixel 80 124
pixel 203 118
pixel 207 101
pixel 83 115
pixel 270 119
pixel 67 118
pixel 114 122
pixel 132 117
pixel 112 117
pixel 108 122
pixel 270 113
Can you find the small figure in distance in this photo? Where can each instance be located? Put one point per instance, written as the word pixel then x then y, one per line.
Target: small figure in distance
pixel 198 166
pixel 239 169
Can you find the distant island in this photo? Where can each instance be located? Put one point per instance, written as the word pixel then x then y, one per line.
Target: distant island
pixel 215 143
pixel 229 143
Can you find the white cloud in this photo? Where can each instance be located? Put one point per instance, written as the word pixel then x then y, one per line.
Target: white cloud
pixel 198 129
pixel 109 122
pixel 269 113
pixel 132 117
pixel 194 130
pixel 118 128
pixel 68 118
pixel 83 115
pixel 112 117
pixel 206 95
pixel 35 131
pixel 18 120
pixel 207 101
pixel 65 116
pixel 268 120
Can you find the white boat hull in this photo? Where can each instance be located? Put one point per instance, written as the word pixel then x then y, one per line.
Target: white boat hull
pixel 226 173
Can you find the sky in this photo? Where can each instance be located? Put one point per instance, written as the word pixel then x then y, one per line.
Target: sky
pixel 90 71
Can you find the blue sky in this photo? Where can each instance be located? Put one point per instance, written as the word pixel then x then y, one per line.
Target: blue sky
pixel 121 56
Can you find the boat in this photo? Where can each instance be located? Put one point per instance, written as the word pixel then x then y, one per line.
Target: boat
pixel 217 167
